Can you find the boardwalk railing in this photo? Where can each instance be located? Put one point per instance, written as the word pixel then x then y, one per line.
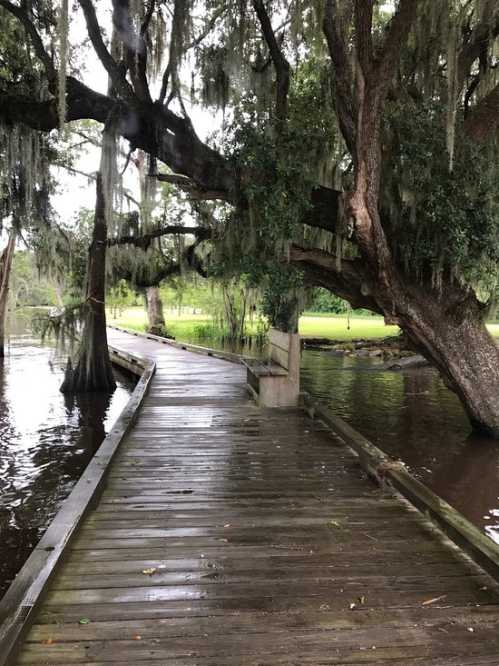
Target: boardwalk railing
pixel 19 604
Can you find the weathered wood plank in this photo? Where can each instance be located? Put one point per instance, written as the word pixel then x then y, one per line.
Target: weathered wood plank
pixel 226 534
pixel 256 623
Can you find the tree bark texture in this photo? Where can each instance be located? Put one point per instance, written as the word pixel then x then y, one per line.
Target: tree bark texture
pixel 155 317
pixel 446 325
pixel 5 270
pixel 93 370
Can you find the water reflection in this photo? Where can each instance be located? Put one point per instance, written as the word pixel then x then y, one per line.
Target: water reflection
pixel 411 415
pixel 46 441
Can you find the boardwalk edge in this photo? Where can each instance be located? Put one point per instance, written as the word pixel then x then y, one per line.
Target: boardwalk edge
pixel 232 357
pixel 17 607
pixel 479 547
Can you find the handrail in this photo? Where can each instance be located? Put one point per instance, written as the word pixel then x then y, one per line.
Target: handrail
pixel 17 607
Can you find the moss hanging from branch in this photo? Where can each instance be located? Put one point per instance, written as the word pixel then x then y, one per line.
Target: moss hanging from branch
pixel 63 34
pixel 452 88
pixel 24 174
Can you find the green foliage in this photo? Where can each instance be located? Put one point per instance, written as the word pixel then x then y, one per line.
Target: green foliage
pixel 62 254
pixel 14 58
pixel 283 297
pixel 323 300
pixel 443 222
pixel 27 286
pixel 120 296
pixel 281 164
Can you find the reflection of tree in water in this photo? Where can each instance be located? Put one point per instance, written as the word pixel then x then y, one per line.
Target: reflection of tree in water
pixel 469 480
pixel 60 457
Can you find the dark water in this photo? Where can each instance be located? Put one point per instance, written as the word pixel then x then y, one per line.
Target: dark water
pixel 411 415
pixel 46 441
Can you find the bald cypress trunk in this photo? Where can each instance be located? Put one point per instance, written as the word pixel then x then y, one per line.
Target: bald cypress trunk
pixel 5 270
pixel 93 370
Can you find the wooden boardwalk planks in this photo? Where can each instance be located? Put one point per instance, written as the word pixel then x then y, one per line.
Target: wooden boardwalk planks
pixel 226 534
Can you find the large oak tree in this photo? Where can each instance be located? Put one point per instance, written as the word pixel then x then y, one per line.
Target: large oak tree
pixel 403 247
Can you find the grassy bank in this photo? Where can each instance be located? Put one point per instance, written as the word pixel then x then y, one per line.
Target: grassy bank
pixel 186 326
pixel 318 325
pixel 181 327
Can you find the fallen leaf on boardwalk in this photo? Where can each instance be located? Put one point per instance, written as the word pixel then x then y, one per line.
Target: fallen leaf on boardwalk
pixel 433 601
pixel 137 637
pixel 83 620
pixel 149 572
pixel 48 641
pixel 362 600
pixel 228 525
pixel 335 524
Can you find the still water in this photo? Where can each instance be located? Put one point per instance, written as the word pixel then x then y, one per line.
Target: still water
pixel 46 441
pixel 411 415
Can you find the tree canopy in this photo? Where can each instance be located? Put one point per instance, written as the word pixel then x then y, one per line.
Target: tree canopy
pixel 355 144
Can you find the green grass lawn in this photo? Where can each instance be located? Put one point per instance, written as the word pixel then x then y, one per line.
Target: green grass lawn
pixel 311 325
pixel 340 328
pixel 179 327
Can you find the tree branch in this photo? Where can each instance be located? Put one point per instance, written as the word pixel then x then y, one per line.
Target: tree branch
pixel 117 77
pixel 351 283
pixel 342 74
pixel 187 185
pixel 93 176
pixel 398 30
pixel 483 119
pixel 201 170
pixel 363 16
pixel 144 241
pixel 136 57
pixel 147 278
pixel 171 68
pixel 154 129
pixel 210 24
pixel 281 65
pixel 474 46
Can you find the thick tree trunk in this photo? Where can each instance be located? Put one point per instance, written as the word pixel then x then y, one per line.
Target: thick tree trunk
pixel 456 341
pixel 446 326
pixel 5 269
pixel 93 371
pixel 156 320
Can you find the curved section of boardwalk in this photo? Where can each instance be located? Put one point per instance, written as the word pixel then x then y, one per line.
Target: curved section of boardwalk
pixel 230 535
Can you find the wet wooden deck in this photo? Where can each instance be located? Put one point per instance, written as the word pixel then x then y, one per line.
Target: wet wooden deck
pixel 231 535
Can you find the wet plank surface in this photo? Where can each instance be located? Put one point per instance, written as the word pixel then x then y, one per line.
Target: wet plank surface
pixel 231 535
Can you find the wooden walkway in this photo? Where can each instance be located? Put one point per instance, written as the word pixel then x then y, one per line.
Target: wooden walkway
pixel 229 535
